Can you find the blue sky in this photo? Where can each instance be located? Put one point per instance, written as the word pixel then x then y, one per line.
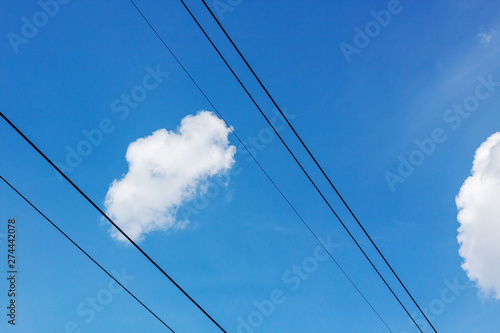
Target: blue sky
pixel 358 117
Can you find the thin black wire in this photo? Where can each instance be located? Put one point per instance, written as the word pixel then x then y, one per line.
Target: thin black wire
pixel 316 162
pixel 127 237
pixel 297 161
pixel 256 161
pixel 83 251
pixel 110 220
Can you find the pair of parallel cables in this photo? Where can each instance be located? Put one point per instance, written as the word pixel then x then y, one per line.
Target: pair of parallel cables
pixel 286 146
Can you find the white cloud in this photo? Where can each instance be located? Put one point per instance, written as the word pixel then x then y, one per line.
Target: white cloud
pixel 167 169
pixel 485 37
pixel 479 215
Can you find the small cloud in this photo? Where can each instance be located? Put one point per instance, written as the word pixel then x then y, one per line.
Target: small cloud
pixel 479 218
pixel 166 170
pixel 281 229
pixel 486 36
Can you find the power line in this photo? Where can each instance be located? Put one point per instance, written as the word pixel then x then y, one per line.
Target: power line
pixel 84 252
pixel 260 166
pixel 296 160
pixel 102 213
pixel 316 162
pixel 110 220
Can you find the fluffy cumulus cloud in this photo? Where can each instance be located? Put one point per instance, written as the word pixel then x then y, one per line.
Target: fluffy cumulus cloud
pixel 167 169
pixel 479 215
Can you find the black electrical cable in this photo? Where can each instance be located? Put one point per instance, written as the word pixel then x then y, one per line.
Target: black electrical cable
pixel 110 220
pixel 93 204
pixel 296 160
pixel 316 162
pixel 84 252
pixel 281 193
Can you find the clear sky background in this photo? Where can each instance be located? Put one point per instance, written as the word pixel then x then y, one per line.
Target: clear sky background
pixel 357 113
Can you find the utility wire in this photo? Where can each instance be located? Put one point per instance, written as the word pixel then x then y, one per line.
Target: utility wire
pixel 135 245
pixel 83 251
pixel 259 165
pixel 317 163
pixel 110 220
pixel 300 165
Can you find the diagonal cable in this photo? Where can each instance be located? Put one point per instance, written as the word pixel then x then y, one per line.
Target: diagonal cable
pixel 110 221
pixel 260 166
pixel 299 164
pixel 317 164
pixel 84 252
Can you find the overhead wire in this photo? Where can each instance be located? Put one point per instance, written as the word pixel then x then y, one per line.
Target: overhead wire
pixel 84 252
pixel 111 221
pixel 95 206
pixel 259 165
pixel 316 162
pixel 299 164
